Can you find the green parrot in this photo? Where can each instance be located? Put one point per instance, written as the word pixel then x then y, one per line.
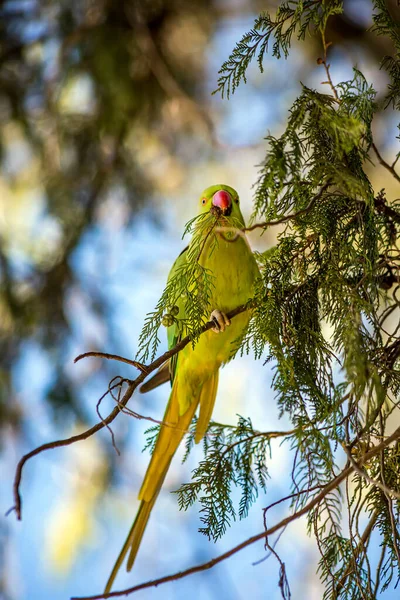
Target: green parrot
pixel 193 372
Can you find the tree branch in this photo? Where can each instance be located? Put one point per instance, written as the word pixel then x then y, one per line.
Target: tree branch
pixel 383 162
pixel 133 363
pixel 357 551
pixel 132 385
pixel 334 483
pixel 322 61
pixel 286 218
pixel 374 482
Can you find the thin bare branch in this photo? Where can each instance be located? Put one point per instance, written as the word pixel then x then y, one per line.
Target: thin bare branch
pixel 378 570
pixel 67 442
pixel 132 385
pixel 289 497
pixel 374 482
pixel 323 61
pixel 388 497
pixel 333 484
pixel 383 162
pixel 357 551
pixel 128 361
pixel 292 216
pixel 111 386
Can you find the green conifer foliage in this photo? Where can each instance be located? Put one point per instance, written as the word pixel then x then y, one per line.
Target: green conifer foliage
pixel 325 314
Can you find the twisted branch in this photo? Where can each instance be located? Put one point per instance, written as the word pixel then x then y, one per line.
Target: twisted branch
pixel 132 385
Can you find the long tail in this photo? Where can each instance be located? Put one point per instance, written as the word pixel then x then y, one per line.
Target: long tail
pixel 169 438
pixel 137 528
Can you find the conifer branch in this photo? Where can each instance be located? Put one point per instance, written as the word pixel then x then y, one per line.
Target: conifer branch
pixel 370 480
pixel 383 162
pixel 331 485
pixel 324 62
pixel 357 551
pixel 338 265
pixel 292 216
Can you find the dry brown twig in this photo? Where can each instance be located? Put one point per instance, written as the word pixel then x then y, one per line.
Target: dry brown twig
pixel 323 61
pixel 383 162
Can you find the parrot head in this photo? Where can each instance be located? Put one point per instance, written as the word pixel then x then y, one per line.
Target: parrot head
pixel 222 198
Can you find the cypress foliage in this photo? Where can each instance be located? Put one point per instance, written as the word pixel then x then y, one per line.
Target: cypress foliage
pixel 327 303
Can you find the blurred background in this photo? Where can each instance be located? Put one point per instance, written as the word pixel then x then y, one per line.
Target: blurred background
pixel 108 134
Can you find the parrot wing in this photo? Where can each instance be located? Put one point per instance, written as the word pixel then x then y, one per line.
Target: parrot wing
pixel 162 376
pixel 167 371
pixel 174 332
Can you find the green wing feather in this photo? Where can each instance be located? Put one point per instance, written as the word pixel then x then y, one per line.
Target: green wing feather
pixel 174 334
pixel 167 371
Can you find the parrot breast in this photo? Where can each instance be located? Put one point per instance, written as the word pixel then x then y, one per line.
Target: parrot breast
pixel 235 271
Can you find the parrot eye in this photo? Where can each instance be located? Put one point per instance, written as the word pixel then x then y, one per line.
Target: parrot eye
pixel 203 201
pixel 237 200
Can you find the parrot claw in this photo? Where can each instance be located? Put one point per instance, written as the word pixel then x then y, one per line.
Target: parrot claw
pixel 221 321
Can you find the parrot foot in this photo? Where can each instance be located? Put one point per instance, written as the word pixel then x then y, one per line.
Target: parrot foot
pixel 220 321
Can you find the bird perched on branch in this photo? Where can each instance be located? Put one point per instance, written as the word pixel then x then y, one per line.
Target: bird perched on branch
pixel 222 252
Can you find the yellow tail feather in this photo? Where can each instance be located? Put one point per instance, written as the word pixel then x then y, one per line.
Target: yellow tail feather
pixel 138 531
pixel 169 438
pixel 133 540
pixel 207 400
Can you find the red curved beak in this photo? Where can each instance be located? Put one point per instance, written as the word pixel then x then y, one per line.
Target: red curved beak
pixel 223 200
